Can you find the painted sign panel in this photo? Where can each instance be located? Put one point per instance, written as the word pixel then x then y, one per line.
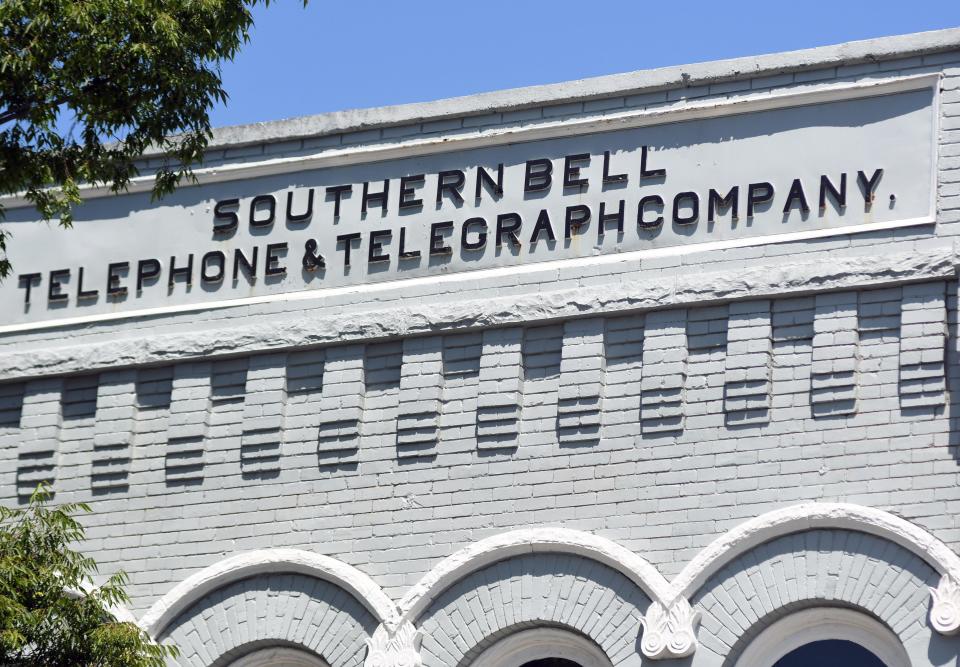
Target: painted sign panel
pixel 739 178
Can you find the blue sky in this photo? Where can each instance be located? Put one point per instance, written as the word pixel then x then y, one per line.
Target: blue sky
pixel 334 55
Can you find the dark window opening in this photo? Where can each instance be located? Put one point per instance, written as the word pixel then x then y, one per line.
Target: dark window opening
pixel 551 662
pixel 830 653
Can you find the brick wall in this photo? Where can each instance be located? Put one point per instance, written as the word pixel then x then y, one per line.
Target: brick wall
pixel 658 421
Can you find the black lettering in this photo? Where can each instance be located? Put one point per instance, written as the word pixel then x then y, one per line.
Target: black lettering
pixel 27 281
pixel 537 176
pixel 249 267
pixel 796 194
pixel 271 209
pixel 657 201
pixel 186 271
pixel 54 295
pixel 717 204
pixel 403 252
pixel 338 191
pixel 376 245
pixel 225 222
pixel 607 176
pixel 649 173
pixel 213 259
pixel 271 263
pixel 347 241
pixel 508 224
pixel 694 214
pixel 574 218
pixel 481 241
pixel 571 171
pixel 380 197
pixel 606 218
pixel 115 272
pixel 299 217
pixel 542 226
pixel 312 260
pixel 868 187
pixel 758 193
pixel 147 269
pixel 82 293
pixel 407 185
pixel 451 187
pixel 839 196
pixel 437 230
pixel 484 179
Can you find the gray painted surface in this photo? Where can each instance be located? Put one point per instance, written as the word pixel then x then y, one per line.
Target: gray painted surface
pixel 661 401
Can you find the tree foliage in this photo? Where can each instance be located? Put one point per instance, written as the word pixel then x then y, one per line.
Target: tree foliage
pixel 51 614
pixel 86 86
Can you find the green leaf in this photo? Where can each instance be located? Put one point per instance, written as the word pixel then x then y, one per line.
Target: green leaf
pixel 50 614
pixel 131 75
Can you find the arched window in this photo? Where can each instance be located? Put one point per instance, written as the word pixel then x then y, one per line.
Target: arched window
pixel 830 653
pixel 278 656
pixel 827 637
pixel 543 647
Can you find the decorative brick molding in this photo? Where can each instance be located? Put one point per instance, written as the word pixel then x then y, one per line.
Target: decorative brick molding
pixel 945 610
pixel 500 394
pixel 798 518
pixel 492 605
pixel 547 540
pixel 427 312
pixel 273 561
pixel 669 632
pixel 243 622
pixel 40 422
pixel 670 624
pixel 400 648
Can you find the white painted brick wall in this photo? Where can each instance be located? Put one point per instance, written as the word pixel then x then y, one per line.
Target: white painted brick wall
pixel 747 364
pixel 265 398
pixel 833 375
pixel 580 397
pixel 341 404
pixel 190 414
pixel 501 385
pixel 665 364
pixel 676 462
pixel 922 345
pixel 116 425
pixel 421 388
pixel 38 447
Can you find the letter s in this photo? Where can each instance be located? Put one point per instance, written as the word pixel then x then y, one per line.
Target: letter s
pixel 225 222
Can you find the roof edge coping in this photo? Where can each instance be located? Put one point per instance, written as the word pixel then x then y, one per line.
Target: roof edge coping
pixel 628 83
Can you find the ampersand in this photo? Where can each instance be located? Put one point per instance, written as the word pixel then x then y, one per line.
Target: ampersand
pixel 312 260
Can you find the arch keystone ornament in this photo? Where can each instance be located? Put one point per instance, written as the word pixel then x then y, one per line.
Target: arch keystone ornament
pixel 945 610
pixel 669 632
pixel 400 648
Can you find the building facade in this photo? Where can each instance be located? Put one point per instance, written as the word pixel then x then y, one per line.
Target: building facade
pixel 655 368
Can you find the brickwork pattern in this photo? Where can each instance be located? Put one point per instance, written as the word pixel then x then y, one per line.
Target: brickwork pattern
pixel 500 390
pixel 116 425
pixel 421 390
pixel 814 567
pixel 341 405
pixel 746 389
pixel 340 419
pixel 294 609
pixel 552 589
pixel 736 426
pixel 39 442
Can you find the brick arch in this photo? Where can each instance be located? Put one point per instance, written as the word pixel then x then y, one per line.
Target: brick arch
pixel 818 567
pixel 291 610
pixel 535 589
